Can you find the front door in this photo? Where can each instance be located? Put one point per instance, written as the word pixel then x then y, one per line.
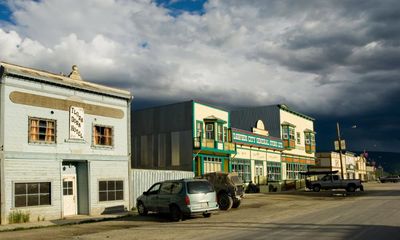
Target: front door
pixel 69 195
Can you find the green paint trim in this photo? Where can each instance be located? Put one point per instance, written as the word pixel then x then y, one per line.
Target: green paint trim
pixel 286 108
pixel 217 150
pixel 193 119
pixel 202 165
pixel 258 150
pixel 229 119
pixel 239 137
pixel 210 106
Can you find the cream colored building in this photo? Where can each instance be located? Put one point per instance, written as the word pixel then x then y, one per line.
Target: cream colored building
pixel 295 129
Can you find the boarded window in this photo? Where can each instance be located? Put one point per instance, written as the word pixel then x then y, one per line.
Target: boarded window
pixel 42 130
pixel 102 135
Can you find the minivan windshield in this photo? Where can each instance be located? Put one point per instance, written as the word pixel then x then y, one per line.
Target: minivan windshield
pixel 199 187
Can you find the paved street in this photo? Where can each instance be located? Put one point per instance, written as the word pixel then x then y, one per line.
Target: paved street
pixel 373 214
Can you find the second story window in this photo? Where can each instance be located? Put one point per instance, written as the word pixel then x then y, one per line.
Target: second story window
pixel 102 135
pixel 288 135
pixel 210 131
pixel 298 138
pixel 199 129
pixel 220 133
pixel 42 130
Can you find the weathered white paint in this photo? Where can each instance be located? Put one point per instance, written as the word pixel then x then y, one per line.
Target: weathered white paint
pixel 22 161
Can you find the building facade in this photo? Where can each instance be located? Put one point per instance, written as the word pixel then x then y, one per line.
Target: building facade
pixel 354 167
pixel 64 145
pixel 258 156
pixel 187 136
pixel 295 129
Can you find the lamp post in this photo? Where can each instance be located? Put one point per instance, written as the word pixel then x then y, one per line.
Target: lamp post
pixel 340 149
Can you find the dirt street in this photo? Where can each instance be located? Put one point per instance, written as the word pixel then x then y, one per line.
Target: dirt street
pixel 373 214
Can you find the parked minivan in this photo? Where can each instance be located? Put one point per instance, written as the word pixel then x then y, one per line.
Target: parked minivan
pixel 179 198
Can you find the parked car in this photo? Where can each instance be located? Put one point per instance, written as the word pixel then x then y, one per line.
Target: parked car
pixel 229 188
pixel 179 198
pixel 332 181
pixel 389 179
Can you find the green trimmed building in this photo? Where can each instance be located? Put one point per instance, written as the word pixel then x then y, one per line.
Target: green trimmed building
pixel 186 136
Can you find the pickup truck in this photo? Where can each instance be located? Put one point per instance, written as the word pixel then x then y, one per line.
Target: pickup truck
pixel 389 179
pixel 331 181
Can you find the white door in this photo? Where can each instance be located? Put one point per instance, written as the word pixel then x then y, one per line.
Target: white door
pixel 69 195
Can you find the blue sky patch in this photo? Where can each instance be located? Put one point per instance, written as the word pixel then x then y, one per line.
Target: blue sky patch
pixel 5 12
pixel 177 7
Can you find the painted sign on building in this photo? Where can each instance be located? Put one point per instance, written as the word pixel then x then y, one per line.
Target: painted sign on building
pixel 240 137
pixel 76 123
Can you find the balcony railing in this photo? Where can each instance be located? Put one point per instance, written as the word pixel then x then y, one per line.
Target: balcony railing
pixel 200 143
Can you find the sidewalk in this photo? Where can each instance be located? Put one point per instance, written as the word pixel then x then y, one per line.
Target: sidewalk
pixel 79 219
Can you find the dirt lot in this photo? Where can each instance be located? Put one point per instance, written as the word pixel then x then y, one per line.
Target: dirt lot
pixel 373 214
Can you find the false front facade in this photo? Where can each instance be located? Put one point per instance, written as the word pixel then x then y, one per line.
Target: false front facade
pixel 64 145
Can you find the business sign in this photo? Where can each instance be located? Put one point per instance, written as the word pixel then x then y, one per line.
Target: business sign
pixel 342 145
pixel 239 137
pixel 76 123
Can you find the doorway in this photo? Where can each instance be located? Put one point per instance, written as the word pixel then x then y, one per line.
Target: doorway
pixel 74 186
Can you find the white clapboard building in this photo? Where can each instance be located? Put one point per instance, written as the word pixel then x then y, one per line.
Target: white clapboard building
pixel 64 145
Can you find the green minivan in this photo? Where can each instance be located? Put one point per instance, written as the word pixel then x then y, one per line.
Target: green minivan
pixel 179 198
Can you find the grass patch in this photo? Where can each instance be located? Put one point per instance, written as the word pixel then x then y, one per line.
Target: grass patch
pixel 18 217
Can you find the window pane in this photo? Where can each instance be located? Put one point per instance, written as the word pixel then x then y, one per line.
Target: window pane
pixel 111 195
pixel 20 188
pixel 33 200
pixel 102 185
pixel 102 196
pixel 119 195
pixel 45 199
pixel 33 188
pixel 65 191
pixel 65 184
pixel 70 192
pixel 44 187
pixel 20 201
pixel 120 185
pixel 111 185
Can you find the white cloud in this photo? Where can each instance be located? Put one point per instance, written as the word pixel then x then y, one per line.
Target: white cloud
pixel 238 53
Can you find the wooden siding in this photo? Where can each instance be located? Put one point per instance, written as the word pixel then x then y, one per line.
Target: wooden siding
pixel 25 170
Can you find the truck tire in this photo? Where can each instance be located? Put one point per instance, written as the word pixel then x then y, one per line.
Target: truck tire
pixel 236 203
pixel 225 202
pixel 316 188
pixel 351 188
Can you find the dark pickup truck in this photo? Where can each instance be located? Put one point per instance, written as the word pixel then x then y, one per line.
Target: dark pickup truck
pixel 389 179
pixel 332 181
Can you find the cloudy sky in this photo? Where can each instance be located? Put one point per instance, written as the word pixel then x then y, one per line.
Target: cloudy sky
pixel 333 60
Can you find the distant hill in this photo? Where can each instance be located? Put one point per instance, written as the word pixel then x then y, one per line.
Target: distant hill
pixel 390 161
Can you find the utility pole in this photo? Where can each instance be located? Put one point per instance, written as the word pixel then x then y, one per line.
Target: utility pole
pixel 340 149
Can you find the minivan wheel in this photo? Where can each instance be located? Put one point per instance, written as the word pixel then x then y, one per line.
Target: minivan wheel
pixel 206 215
pixel 236 203
pixel 225 202
pixel 175 213
pixel 141 209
